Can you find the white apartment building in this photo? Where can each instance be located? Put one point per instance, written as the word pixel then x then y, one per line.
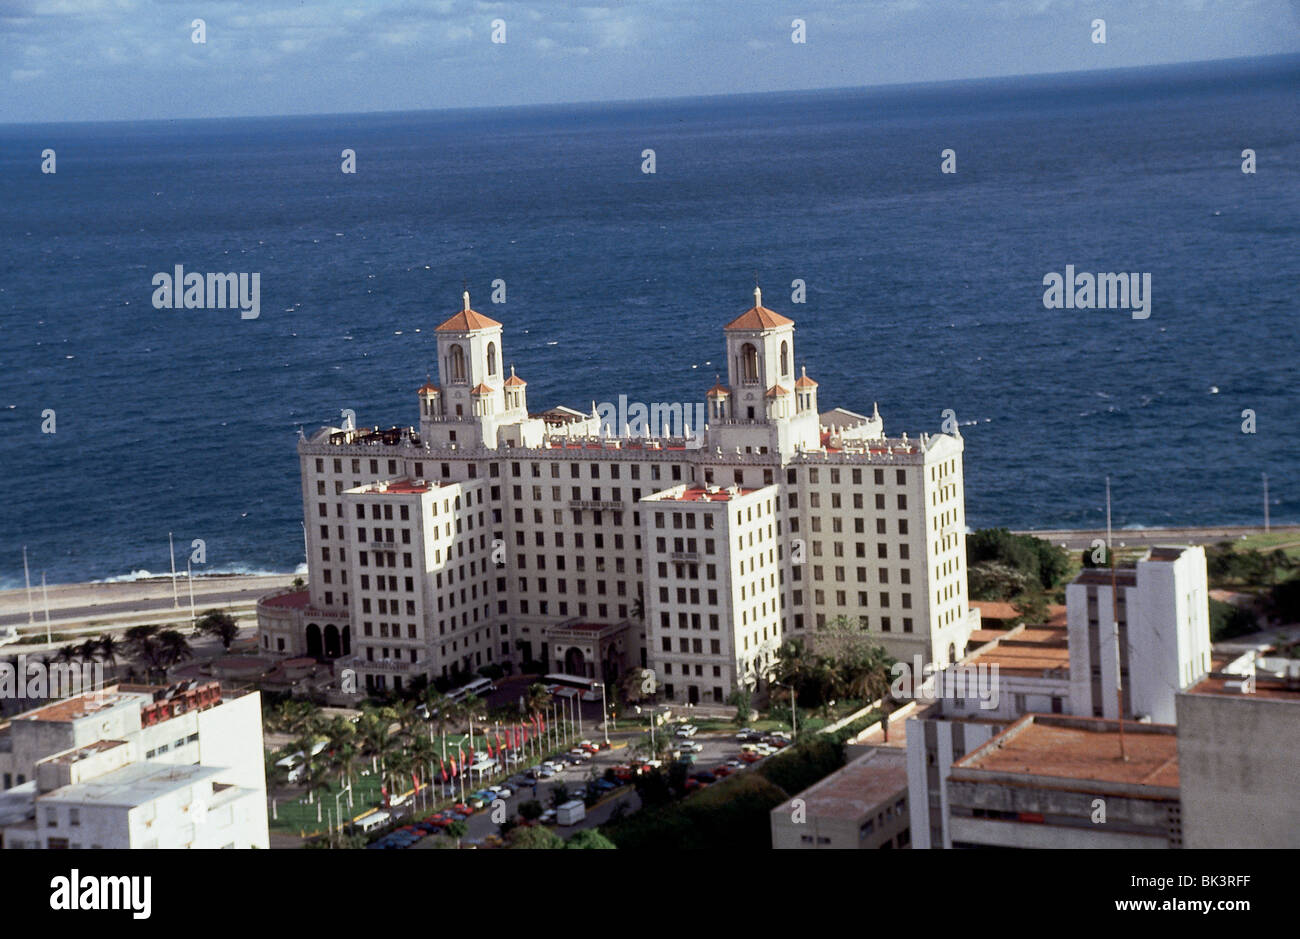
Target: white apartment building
pixel 1151 641
pixel 136 766
pixel 497 525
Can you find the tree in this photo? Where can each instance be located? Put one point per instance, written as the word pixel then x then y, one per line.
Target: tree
pixel 88 651
pixel 174 647
pixel 531 810
pixel 109 647
pixel 994 580
pixel 535 838
pixel 537 698
pixel 1227 620
pixel 457 829
pixel 590 839
pixel 742 700
pixel 220 625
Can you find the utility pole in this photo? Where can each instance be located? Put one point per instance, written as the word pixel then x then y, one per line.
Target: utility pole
pixel 31 611
pixel 1114 615
pixel 1266 502
pixel 176 600
pixel 46 597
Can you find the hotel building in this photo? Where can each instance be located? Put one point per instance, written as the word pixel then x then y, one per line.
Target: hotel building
pixel 487 533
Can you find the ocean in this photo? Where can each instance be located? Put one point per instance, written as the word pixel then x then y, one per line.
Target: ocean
pixel 924 291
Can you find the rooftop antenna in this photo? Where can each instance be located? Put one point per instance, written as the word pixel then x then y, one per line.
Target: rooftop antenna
pixel 1114 615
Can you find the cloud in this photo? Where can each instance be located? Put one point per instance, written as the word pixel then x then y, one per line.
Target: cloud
pixel 26 74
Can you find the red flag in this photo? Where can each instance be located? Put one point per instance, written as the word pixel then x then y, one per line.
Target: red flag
pixel 487 742
pixel 498 741
pixel 442 768
pixel 415 781
pixel 383 791
pixel 454 771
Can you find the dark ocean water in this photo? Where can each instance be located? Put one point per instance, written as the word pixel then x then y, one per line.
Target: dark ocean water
pixel 924 290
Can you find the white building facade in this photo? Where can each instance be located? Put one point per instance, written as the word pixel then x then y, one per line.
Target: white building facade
pixel 544 518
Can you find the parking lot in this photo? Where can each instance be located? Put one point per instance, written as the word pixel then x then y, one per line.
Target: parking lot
pixel 709 750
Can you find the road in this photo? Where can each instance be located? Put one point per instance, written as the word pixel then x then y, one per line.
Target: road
pixel 73 605
pixel 718 748
pixel 1131 537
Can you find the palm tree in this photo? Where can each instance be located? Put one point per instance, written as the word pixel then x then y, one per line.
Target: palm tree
pixel 67 654
pixel 88 651
pixel 175 647
pixel 537 698
pixel 109 647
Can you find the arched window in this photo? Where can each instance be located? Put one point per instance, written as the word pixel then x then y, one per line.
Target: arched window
pixel 785 360
pixel 492 358
pixel 748 363
pixel 456 360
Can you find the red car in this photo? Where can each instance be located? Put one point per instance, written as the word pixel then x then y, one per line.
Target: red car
pixel 462 808
pixel 721 771
pixel 692 785
pixel 750 756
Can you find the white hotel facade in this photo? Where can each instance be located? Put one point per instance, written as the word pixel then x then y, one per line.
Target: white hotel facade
pixel 488 534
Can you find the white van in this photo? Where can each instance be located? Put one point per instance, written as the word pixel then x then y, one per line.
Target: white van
pixel 374 820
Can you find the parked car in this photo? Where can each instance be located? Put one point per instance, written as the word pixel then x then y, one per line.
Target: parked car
pixel 744 732
pixel 547 817
pixel 687 730
pixel 749 756
pixel 604 785
pixel 724 770
pixel 705 778
pixel 691 747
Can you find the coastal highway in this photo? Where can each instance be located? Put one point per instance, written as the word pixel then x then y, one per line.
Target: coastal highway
pixel 98 606
pixel 128 603
pixel 1135 537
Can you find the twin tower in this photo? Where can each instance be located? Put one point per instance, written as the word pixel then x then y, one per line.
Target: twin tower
pixel 763 408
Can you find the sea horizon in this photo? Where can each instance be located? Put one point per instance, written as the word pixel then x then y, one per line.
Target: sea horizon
pixel 924 291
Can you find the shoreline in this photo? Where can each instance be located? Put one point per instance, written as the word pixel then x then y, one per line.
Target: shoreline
pixel 116 604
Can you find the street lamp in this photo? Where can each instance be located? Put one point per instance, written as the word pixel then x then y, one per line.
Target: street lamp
pixel 794 713
pixel 604 712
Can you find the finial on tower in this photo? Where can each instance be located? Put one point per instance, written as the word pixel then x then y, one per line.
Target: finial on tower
pixel 758 296
pixel 465 299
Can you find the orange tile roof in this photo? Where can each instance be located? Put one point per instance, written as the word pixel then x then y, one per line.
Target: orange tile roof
pixel 718 390
pixel 1081 748
pixel 514 380
pixel 776 391
pixel 759 317
pixel 803 381
pixel 430 387
pixel 464 321
pixel 481 389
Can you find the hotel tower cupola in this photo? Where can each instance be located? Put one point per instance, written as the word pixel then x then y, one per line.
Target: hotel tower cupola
pixel 760 353
pixel 469 357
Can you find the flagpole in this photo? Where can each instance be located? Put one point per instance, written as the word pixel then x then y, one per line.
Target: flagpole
pixel 27 575
pixel 171 548
pixel 189 575
pixel 46 596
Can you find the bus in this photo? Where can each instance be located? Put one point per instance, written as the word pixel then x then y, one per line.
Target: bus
pixel 559 683
pixel 478 687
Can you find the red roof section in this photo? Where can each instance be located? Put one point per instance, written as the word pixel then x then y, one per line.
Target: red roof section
pixel 759 317
pixel 464 321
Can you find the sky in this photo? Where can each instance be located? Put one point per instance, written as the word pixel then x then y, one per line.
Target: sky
pixel 73 60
